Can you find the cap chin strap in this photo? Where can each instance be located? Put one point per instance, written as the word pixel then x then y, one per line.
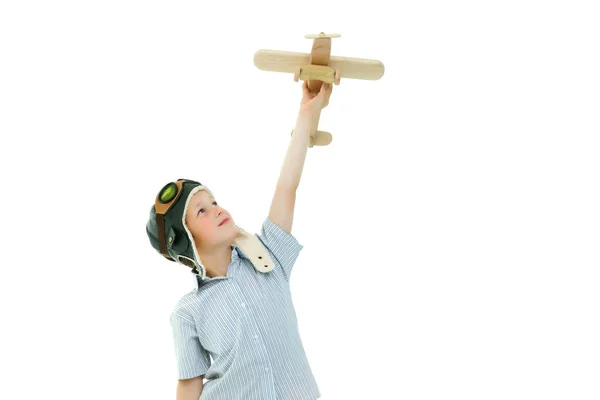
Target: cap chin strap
pixel 255 250
pixel 252 247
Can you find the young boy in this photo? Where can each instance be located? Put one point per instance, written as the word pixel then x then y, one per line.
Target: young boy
pixel 241 313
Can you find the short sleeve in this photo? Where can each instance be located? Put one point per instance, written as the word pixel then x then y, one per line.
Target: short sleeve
pixel 192 359
pixel 281 244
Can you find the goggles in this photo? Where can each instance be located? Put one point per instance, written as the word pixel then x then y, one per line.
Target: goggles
pixel 165 199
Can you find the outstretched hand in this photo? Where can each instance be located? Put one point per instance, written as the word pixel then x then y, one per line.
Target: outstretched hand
pixel 315 102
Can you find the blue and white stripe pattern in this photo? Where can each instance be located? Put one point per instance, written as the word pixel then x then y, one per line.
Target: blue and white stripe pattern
pixel 246 323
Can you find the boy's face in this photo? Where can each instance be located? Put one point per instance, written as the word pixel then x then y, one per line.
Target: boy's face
pixel 203 217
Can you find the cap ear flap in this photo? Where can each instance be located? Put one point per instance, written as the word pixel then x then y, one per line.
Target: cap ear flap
pixel 186 261
pixel 177 241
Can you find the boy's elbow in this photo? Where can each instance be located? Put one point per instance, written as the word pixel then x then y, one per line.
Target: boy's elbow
pixel 190 389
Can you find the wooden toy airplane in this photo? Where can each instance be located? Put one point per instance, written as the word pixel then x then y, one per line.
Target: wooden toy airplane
pixel 318 67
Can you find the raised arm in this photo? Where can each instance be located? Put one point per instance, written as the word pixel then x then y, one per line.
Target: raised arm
pixel 284 199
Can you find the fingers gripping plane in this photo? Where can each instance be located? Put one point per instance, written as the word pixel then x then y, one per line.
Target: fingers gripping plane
pixel 317 67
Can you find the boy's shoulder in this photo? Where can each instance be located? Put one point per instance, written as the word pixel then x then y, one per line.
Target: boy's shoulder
pixel 185 303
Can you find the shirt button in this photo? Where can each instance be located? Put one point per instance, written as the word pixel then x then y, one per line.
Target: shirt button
pixel 243 304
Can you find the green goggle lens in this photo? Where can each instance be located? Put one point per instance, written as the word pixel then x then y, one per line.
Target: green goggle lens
pixel 168 193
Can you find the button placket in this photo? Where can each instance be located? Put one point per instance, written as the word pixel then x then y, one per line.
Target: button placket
pixel 255 336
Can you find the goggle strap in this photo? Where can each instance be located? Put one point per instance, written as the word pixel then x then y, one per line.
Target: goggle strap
pixel 161 209
pixel 160 223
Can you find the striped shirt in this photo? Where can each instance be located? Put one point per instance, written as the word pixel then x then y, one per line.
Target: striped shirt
pixel 246 323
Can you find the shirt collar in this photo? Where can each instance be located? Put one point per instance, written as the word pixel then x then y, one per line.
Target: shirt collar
pixel 236 253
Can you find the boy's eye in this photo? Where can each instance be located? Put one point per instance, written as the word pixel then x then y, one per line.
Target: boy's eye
pixel 202 209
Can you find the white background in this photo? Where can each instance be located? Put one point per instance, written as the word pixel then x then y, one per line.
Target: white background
pixel 451 229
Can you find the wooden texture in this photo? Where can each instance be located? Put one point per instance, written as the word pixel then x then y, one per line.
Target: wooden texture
pixel 318 67
pixel 321 138
pixel 317 72
pixel 289 61
pixel 319 55
pixel 323 35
